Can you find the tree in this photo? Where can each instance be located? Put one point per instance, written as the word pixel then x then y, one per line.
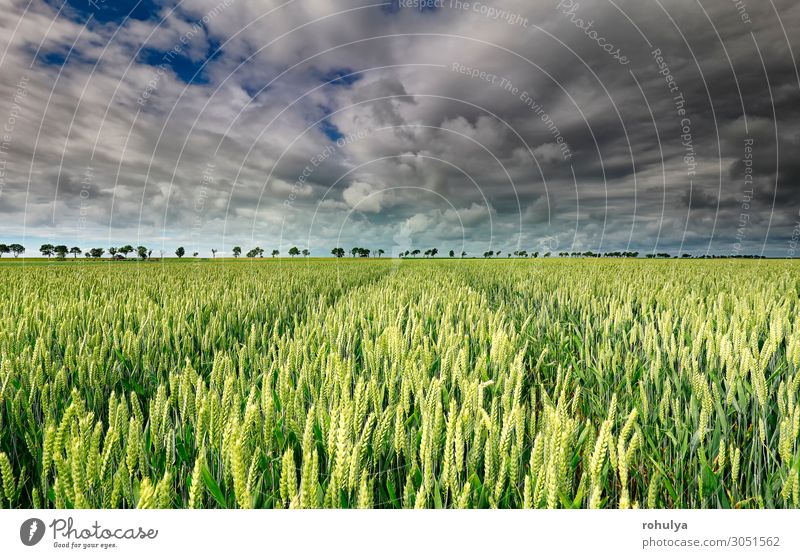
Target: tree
pixel 415 253
pixel 180 252
pixel 4 249
pixel 380 252
pixel 125 250
pixel 195 254
pixel 274 252
pixel 61 251
pixel 47 250
pixel 354 250
pixel 112 251
pixel 463 254
pixel 256 253
pixel 338 252
pixel 141 251
pixel 97 252
pixel 213 252
pixel 75 251
pixel 306 252
pixel 17 249
pixel 434 251
pixel 237 251
pixel 294 251
pixel 452 254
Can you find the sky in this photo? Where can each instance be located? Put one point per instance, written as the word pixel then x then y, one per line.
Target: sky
pixel 537 125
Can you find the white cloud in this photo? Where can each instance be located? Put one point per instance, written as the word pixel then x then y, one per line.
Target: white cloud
pixel 363 197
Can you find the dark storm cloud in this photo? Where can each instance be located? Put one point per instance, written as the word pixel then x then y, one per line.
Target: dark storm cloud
pixel 541 125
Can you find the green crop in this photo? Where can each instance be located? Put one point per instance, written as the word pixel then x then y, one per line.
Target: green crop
pixel 556 383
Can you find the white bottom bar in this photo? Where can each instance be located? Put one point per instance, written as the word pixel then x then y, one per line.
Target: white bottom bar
pixel 417 533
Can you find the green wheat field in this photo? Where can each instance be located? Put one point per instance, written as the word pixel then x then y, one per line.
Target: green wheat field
pixel 376 383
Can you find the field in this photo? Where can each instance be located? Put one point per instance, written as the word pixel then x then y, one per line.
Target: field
pixel 421 384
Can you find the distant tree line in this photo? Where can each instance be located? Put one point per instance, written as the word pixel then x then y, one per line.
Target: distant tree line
pixel 599 255
pixel 60 251
pixel 15 249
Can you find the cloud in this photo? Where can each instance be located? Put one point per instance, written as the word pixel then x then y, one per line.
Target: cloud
pixel 468 217
pixel 416 224
pixel 363 197
pixel 406 136
pixel 549 152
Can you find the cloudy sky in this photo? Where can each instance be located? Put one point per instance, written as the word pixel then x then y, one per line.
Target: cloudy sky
pixel 647 125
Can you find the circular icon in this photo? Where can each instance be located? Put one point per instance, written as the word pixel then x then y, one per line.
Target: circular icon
pixel 31 531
